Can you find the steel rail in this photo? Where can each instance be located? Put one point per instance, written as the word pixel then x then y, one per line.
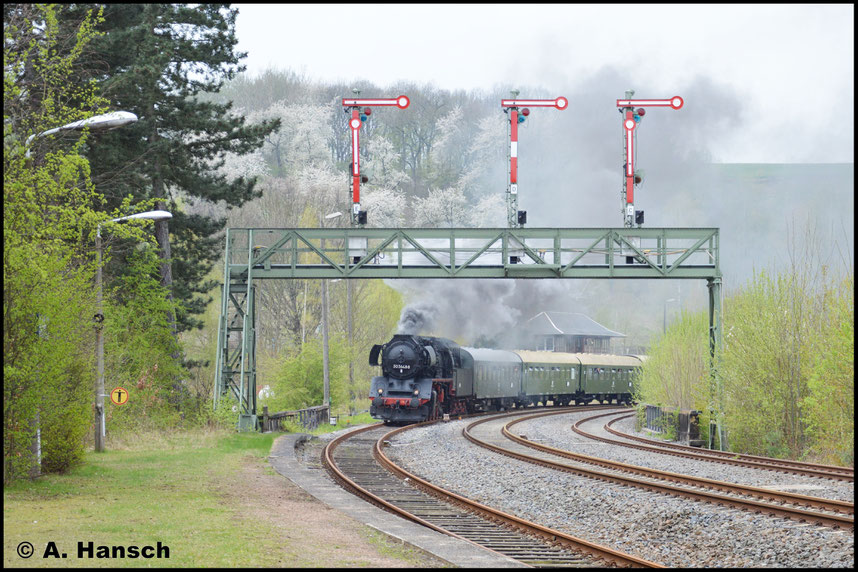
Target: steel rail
pixel 350 484
pixel 551 535
pixel 832 505
pixel 845 471
pixel 697 454
pixel 837 521
pixel 546 534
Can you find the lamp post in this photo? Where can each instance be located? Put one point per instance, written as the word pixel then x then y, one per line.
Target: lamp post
pixel 100 429
pixel 325 364
pixel 352 408
pixel 103 122
pixel 664 316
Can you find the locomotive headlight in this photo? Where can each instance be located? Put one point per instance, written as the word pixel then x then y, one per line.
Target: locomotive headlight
pixel 380 390
pixel 416 391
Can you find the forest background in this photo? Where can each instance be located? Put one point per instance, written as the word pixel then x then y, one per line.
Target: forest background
pixel 219 149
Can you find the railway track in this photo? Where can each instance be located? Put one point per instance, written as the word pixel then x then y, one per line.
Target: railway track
pixel 356 460
pixel 497 436
pixel 767 463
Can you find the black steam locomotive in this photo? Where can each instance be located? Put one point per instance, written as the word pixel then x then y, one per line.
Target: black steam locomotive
pixel 426 377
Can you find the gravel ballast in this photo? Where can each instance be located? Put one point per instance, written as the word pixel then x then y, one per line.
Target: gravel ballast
pixel 669 530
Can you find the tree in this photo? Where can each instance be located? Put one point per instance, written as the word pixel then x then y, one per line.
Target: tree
pixel 298 382
pixel 414 132
pixel 50 211
pixel 442 208
pixel 156 61
pixel 676 374
pixel 829 408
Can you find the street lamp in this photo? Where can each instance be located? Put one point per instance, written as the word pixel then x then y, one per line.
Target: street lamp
pixel 325 364
pixel 103 122
pixel 100 429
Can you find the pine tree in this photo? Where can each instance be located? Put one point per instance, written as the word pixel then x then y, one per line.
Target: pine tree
pixel 155 60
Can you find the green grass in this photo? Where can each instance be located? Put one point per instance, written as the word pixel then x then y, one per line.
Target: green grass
pixel 179 489
pixel 166 492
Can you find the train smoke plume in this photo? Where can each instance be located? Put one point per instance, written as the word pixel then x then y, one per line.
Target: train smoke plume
pixel 471 309
pixel 418 318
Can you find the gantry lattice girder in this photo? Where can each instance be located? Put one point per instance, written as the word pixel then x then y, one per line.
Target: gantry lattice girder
pixel 690 253
pixel 253 254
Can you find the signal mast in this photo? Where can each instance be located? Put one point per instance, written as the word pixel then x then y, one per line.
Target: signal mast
pixel 516 218
pixel 359 115
pixel 631 118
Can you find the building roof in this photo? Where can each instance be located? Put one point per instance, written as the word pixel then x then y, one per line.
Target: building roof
pixel 567 323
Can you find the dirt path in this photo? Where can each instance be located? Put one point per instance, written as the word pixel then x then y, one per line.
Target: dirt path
pixel 310 533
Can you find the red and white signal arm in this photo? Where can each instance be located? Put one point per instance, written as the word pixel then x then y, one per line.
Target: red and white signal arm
pixel 355 124
pixel 513 105
pixel 675 102
pixel 629 125
pixel 559 103
pixel 401 102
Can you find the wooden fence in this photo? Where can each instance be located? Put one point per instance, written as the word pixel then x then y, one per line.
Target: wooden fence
pixel 310 418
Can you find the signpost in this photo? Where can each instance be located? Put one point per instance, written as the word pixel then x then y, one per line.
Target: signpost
pixel 119 396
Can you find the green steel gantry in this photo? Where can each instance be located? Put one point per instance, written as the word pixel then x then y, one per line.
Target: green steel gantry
pixel 254 254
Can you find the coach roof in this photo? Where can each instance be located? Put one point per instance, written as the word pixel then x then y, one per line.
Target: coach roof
pixel 485 354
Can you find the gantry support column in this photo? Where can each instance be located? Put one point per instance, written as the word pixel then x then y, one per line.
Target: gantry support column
pixel 716 407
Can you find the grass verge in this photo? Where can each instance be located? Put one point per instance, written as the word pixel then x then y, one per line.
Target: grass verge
pixel 201 493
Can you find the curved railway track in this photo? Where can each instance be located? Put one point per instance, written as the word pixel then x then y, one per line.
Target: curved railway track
pixel 356 460
pixel 833 513
pixel 767 463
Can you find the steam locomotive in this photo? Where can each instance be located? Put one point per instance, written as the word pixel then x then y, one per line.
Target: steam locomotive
pixel 424 378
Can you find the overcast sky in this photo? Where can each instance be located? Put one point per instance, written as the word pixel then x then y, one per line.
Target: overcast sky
pixel 791 65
